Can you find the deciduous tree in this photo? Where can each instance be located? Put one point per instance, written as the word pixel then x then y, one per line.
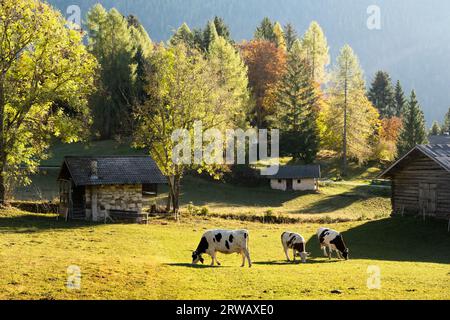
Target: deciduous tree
pixel 351 119
pixel 46 74
pixel 266 65
pixel 315 47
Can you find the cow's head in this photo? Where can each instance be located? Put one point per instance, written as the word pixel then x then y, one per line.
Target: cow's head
pixel 345 253
pixel 196 257
pixel 304 256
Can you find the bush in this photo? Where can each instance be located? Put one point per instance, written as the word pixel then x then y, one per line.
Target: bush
pixel 36 207
pixel 197 211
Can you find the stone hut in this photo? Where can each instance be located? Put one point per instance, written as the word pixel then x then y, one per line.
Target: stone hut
pixel 93 188
pixel 297 178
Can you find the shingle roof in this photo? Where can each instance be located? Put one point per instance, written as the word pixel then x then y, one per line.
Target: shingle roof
pixel 297 172
pixel 444 139
pixel 113 170
pixel 440 153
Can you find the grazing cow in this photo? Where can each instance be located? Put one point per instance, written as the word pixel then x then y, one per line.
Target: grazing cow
pixel 223 241
pixel 334 241
pixel 296 242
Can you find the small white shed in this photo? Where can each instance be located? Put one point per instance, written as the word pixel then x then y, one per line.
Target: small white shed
pixel 297 178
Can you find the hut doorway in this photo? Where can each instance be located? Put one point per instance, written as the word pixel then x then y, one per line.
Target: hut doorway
pixel 78 202
pixel 428 198
pixel 289 184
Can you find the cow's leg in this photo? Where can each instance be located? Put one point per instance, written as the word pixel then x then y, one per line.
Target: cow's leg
pixel 338 253
pixel 324 248
pixel 213 257
pixel 243 259
pixel 217 261
pixel 247 255
pixel 294 252
pixel 286 252
pixel 329 252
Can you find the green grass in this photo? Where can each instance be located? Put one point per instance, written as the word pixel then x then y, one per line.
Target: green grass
pixel 152 262
pixel 334 201
pixel 94 148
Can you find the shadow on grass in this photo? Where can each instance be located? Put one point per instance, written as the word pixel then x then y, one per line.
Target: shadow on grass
pixel 346 199
pixel 286 263
pixel 33 223
pixel 195 266
pixel 396 239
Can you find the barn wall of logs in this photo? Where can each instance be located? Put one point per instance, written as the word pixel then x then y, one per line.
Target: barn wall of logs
pixel 409 178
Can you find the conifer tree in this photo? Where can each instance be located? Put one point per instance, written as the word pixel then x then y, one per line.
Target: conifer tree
pixel 279 36
pixel 222 29
pixel 382 96
pixel 351 120
pixel 446 124
pixel 183 35
pixel 298 105
pixel 290 36
pixel 315 45
pixel 209 35
pixel 400 100
pixel 265 31
pixel 413 132
pixel 435 129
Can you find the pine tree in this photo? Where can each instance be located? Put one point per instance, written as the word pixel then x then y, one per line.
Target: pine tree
pixel 209 35
pixel 382 96
pixel 279 36
pixel 351 120
pixel 315 45
pixel 400 100
pixel 113 45
pixel 231 74
pixel 265 31
pixel 446 124
pixel 183 35
pixel 435 129
pixel 290 36
pixel 222 29
pixel 298 105
pixel 413 132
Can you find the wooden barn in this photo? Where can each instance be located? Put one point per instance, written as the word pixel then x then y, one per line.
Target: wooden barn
pixel 421 181
pixel 297 178
pixel 101 188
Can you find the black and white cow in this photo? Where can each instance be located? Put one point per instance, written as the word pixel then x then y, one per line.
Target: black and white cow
pixel 334 241
pixel 223 241
pixel 297 243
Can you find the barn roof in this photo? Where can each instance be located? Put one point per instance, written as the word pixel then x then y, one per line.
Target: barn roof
pixel 298 172
pixel 440 153
pixel 111 170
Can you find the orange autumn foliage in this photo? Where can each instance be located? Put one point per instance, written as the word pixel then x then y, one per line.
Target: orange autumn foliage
pixel 266 66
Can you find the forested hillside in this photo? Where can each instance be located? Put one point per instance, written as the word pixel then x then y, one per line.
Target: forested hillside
pixel 413 44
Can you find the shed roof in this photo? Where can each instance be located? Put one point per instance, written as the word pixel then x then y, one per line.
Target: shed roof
pixel 298 172
pixel 440 153
pixel 112 170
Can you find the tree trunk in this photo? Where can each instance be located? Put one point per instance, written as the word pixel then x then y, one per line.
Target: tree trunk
pixel 169 201
pixel 2 145
pixel 2 188
pixel 344 149
pixel 176 196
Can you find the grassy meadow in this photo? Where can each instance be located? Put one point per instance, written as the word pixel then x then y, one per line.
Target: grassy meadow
pixel 152 261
